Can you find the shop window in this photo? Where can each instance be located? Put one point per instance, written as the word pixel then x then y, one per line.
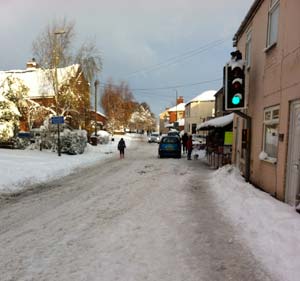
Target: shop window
pixel 273 23
pixel 271 124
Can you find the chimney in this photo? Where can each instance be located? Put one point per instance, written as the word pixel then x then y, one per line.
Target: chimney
pixel 31 65
pixel 180 100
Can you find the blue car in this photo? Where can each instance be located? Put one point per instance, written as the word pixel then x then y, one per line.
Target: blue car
pixel 169 146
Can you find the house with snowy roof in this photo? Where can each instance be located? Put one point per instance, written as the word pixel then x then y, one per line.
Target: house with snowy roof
pixel 198 110
pixel 172 117
pixel 72 101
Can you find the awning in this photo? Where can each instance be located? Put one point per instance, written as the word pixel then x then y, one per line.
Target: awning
pixel 216 122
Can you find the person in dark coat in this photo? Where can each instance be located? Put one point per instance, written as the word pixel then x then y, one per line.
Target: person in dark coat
pixel 189 146
pixel 184 139
pixel 121 147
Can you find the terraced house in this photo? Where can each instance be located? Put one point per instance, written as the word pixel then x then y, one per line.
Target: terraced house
pixel 269 40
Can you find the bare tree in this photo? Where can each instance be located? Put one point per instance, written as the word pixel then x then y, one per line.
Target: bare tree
pixel 89 58
pixel 46 48
pixel 118 105
pixel 53 49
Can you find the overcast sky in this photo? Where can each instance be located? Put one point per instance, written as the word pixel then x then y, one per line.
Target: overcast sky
pixel 171 44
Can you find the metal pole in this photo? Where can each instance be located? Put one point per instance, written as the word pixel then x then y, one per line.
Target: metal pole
pixel 96 85
pixel 56 61
pixel 176 106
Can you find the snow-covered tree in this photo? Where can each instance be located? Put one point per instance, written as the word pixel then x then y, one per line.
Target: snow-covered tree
pixel 13 104
pixel 142 118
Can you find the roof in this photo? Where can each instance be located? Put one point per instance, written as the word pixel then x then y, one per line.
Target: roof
pixel 204 96
pixel 216 122
pixel 249 16
pixel 99 113
pixel 178 107
pixel 37 80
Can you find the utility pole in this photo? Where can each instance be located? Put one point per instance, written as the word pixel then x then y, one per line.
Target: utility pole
pixel 96 85
pixel 176 105
pixel 56 62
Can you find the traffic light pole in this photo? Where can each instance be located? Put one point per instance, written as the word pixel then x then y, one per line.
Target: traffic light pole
pixel 248 143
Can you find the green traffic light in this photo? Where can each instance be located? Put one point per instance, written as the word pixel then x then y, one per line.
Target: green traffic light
pixel 236 99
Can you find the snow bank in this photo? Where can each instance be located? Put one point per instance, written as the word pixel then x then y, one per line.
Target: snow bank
pixel 270 227
pixel 21 168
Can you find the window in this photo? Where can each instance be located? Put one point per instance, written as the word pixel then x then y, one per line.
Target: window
pixel 188 111
pixel 248 49
pixel 194 126
pixel 271 122
pixel 273 23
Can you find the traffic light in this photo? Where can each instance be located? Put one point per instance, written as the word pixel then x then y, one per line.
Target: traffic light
pixel 235 85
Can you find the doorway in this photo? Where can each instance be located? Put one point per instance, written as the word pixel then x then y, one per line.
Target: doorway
pixel 292 195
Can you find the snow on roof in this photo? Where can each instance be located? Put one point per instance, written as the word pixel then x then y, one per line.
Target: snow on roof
pixel 204 96
pixel 37 80
pixel 99 113
pixel 178 107
pixel 216 122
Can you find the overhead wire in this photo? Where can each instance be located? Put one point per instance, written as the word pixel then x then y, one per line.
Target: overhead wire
pixel 180 57
pixel 168 87
pixel 169 62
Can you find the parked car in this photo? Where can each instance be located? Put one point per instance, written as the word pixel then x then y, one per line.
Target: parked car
pixel 154 137
pixel 174 133
pixel 169 146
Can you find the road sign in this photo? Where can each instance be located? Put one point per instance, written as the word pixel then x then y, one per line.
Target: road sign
pixel 57 120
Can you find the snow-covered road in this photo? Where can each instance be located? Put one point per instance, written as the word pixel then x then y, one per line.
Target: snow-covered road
pixel 141 218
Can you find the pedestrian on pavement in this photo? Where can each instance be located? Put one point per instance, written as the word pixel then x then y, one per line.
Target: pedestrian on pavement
pixel 121 147
pixel 189 146
pixel 184 139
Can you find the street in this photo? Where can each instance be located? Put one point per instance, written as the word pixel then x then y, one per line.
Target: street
pixel 139 218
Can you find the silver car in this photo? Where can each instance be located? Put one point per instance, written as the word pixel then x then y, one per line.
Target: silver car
pixel 154 137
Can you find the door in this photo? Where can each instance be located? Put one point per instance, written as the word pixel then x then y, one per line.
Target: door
pixel 293 165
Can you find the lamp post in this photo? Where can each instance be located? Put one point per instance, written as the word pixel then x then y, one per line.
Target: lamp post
pixel 56 61
pixel 96 83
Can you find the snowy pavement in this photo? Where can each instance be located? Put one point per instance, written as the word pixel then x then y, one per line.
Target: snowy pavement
pixel 142 218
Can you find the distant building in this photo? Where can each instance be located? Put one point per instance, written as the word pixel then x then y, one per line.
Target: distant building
pixel 164 118
pixel 100 118
pixel 172 117
pixel 219 103
pixel 198 110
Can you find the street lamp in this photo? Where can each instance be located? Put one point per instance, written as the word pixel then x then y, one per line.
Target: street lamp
pixel 56 61
pixel 96 83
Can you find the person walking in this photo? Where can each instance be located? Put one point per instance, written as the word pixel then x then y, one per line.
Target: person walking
pixel 189 146
pixel 184 139
pixel 121 147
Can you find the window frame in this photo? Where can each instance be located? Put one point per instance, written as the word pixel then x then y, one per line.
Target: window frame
pixel 248 48
pixel 273 112
pixel 274 5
